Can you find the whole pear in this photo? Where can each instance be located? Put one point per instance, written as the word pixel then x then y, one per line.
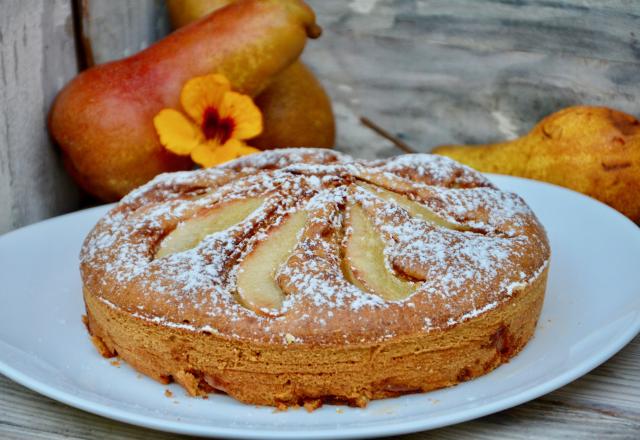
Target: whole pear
pixel 296 109
pixel 592 150
pixel 103 119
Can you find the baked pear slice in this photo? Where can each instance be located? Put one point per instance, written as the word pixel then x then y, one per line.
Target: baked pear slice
pixel 257 287
pixel 415 209
pixel 364 262
pixel 222 216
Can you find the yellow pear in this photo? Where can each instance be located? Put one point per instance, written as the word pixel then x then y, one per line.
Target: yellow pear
pixel 295 107
pixel 592 150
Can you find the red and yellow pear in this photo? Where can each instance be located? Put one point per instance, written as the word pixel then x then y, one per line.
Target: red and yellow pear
pixel 103 119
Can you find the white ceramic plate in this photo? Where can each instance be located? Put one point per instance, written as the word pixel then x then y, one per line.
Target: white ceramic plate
pixel 592 309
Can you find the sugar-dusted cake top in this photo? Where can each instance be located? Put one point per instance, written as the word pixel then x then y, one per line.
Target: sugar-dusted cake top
pixel 312 246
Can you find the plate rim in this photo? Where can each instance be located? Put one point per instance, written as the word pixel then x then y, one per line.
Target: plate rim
pixel 360 431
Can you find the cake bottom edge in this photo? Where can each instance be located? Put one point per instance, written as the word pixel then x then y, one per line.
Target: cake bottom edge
pixel 301 375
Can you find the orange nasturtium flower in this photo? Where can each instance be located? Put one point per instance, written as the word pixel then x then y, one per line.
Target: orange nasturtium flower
pixel 219 121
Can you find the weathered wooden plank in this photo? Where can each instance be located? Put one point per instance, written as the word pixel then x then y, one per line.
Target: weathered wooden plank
pixel 439 71
pixel 604 403
pixel 37 57
pixel 588 28
pixel 26 414
pixel 540 420
pixel 119 28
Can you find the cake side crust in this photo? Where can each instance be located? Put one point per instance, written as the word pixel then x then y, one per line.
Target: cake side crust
pixel 297 374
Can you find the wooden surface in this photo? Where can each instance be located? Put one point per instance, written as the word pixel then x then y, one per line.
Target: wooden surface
pixel 431 72
pixel 117 28
pixel 462 71
pixel 37 57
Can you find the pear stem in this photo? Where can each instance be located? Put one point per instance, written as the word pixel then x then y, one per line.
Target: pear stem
pixel 399 143
pixel 314 31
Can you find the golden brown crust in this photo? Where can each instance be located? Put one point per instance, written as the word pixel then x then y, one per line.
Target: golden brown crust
pixel 470 260
pixel 296 374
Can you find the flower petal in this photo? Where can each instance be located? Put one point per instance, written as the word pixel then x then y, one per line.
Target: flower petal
pixel 201 92
pixel 246 115
pixel 210 154
pixel 205 155
pixel 237 148
pixel 176 132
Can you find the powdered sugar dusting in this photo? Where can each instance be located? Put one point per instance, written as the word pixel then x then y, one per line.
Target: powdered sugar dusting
pixel 459 274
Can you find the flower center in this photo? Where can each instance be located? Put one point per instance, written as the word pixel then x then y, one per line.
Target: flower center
pixel 215 127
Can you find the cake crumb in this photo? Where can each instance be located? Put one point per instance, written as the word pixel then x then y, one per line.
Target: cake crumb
pixel 312 405
pixel 168 393
pixel 339 411
pixel 115 363
pixel 280 407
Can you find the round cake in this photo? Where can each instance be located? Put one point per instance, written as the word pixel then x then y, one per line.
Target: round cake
pixel 304 276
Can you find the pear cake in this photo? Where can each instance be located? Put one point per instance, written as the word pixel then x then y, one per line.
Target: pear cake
pixel 304 276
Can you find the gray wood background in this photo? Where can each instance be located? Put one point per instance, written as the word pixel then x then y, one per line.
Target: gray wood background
pixel 463 71
pixel 116 29
pixel 37 57
pixel 429 71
